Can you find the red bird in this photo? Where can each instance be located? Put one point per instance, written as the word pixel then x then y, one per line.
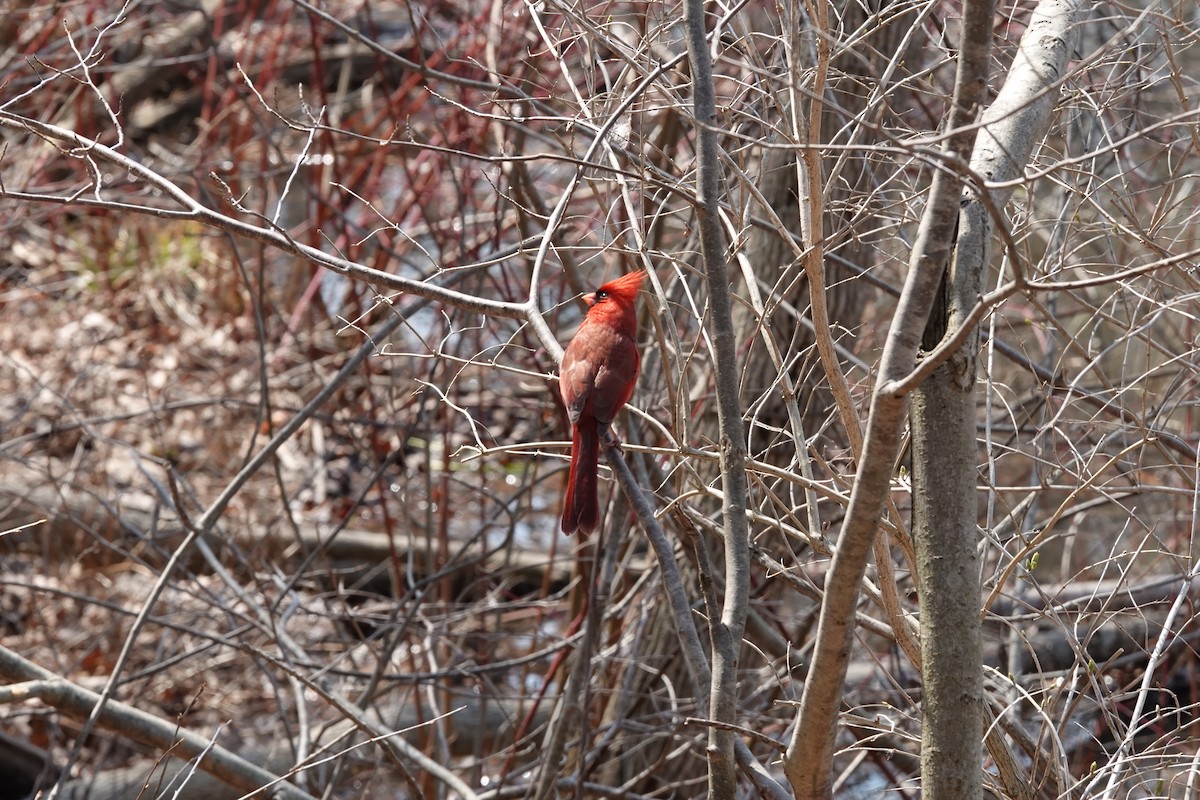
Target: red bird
pixel 597 376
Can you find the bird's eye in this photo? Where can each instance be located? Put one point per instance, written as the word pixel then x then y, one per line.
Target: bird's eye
pixel 601 295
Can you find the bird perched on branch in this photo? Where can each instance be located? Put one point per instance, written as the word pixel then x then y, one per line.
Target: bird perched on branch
pixel 597 376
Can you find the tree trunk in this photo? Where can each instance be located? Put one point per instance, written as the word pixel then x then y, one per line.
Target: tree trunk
pixel 945 516
pixel 943 411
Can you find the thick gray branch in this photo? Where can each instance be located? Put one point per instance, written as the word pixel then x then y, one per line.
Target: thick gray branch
pixel 726 632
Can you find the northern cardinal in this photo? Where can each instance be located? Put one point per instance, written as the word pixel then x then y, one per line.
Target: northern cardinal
pixel 598 372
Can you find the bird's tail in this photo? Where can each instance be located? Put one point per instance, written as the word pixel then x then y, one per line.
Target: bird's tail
pixel 580 511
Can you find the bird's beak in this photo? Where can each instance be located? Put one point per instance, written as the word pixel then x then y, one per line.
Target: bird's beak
pixel 590 299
